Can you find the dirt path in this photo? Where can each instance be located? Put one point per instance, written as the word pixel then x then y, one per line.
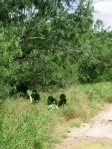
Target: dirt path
pixel 99 129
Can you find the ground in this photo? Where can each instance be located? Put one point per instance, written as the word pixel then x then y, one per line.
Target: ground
pixel 99 129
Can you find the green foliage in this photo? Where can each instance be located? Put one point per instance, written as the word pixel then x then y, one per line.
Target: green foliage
pixel 95 63
pixel 44 46
pixel 9 50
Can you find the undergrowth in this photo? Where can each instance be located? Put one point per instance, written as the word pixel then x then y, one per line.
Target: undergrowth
pixel 33 126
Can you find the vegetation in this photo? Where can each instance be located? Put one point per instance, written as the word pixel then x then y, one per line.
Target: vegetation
pixel 53 47
pixel 45 46
pixel 24 125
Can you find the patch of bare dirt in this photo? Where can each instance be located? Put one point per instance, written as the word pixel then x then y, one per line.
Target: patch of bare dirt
pixel 99 129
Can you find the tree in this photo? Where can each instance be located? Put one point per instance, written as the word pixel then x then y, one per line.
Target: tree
pixel 9 51
pixel 44 45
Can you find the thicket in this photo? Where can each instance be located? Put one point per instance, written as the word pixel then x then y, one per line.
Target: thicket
pixel 44 45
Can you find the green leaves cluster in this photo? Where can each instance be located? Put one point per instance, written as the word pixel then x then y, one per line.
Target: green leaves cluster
pixel 9 51
pixel 43 45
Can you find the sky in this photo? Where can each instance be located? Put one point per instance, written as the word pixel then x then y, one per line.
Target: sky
pixel 103 10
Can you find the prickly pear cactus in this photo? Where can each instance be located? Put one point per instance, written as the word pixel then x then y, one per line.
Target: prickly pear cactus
pixel 29 93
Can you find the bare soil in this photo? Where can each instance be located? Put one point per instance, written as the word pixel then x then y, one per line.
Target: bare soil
pixel 99 129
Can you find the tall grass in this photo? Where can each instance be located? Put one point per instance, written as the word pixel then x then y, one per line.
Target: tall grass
pixel 32 126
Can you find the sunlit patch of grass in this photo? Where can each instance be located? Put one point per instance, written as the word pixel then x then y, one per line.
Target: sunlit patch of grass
pixel 24 124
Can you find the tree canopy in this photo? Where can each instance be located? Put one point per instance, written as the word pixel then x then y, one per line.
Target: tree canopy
pixel 44 45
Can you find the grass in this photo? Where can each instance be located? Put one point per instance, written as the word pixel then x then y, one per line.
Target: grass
pixel 32 126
